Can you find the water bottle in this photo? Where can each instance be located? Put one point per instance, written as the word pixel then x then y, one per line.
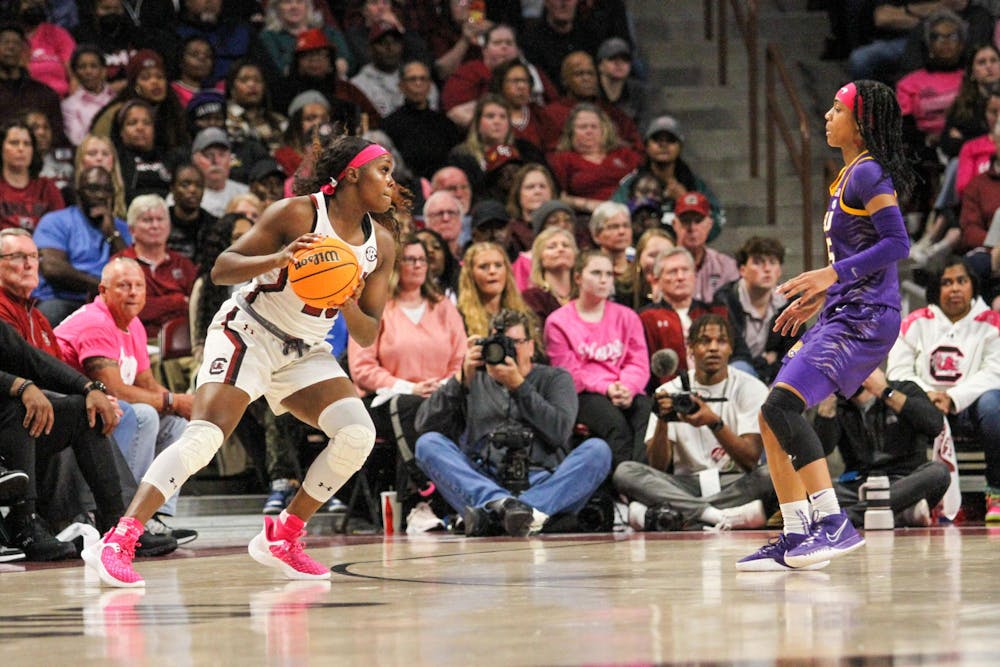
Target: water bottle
pixel 875 491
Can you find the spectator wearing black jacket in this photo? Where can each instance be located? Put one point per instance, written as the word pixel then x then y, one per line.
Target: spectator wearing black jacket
pixel 79 416
pixel 753 304
pixel 886 428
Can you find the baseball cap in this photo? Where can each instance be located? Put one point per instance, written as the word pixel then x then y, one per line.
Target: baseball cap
pixel 263 168
pixel 613 46
pixel 210 136
pixel 664 124
pixel 692 201
pixel 381 29
pixel 487 211
pixel 206 102
pixel 144 59
pixel 543 212
pixel 312 39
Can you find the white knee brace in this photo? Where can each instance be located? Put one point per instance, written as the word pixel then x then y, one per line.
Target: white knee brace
pixel 352 437
pixel 192 452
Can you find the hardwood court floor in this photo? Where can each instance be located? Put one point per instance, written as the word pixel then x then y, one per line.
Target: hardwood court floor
pixel 913 597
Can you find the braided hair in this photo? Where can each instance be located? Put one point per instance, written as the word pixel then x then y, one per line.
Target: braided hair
pixel 881 127
pixel 331 151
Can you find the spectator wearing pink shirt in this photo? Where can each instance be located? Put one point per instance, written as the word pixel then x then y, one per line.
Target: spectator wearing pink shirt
pixel 80 107
pixel 50 47
pixel 603 347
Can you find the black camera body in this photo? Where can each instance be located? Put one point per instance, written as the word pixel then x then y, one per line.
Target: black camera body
pixel 498 347
pixel 513 441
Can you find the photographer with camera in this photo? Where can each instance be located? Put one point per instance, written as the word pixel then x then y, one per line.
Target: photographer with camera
pixel 496 436
pixel 703 428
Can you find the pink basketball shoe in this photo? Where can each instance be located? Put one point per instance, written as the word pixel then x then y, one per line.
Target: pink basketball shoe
pixel 288 556
pixel 111 557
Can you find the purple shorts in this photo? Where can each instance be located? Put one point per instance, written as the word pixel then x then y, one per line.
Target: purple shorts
pixel 846 344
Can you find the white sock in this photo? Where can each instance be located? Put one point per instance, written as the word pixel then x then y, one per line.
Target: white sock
pixel 796 517
pixel 824 502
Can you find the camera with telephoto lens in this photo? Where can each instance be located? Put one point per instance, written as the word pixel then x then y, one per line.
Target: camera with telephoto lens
pixel 514 442
pixel 498 347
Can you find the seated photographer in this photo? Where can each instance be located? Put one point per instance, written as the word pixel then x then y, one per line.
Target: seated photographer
pixel 705 427
pixel 886 428
pixel 496 436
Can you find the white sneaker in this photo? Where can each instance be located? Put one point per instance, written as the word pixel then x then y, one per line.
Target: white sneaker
pixel 750 515
pixel 637 515
pixel 917 515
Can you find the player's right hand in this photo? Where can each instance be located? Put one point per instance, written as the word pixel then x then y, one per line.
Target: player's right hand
pixel 307 240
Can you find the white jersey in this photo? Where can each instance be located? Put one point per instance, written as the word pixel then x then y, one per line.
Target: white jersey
pixel 271 296
pixel 696 447
pixel 961 358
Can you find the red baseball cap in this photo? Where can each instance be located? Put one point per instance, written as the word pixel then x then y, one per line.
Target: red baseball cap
pixel 501 155
pixel 381 29
pixel 144 59
pixel 312 39
pixel 692 201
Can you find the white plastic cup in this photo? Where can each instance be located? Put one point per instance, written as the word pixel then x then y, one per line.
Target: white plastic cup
pixel 392 513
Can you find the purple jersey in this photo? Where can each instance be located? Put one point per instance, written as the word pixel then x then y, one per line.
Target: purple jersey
pixel 863 253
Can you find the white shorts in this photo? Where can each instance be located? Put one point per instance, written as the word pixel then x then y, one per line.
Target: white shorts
pixel 242 353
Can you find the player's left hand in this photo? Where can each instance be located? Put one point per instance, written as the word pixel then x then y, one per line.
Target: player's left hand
pixel 809 284
pixel 355 295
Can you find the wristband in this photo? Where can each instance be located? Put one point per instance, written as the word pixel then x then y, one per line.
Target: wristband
pixel 887 393
pixel 24 386
pixel 168 402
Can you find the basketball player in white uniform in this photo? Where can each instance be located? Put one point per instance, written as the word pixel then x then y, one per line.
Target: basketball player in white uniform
pixel 264 341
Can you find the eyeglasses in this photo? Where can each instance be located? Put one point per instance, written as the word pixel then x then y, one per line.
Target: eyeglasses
pixel 945 36
pixel 413 260
pixel 20 256
pixel 519 341
pixel 455 213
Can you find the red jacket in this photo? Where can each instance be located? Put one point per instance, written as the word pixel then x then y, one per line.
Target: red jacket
pixel 980 201
pixel 167 288
pixel 29 322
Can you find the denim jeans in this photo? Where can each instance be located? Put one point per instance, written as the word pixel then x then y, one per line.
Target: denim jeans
pixel 874 60
pixel 982 421
pixel 464 483
pixel 142 434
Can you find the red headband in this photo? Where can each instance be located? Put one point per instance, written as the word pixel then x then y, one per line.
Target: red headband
pixel 848 96
pixel 367 154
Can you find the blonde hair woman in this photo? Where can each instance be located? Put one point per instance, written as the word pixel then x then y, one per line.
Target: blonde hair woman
pixel 486 286
pixel 98 151
pixel 552 258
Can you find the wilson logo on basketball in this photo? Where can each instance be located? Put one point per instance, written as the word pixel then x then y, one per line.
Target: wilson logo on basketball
pixel 318 258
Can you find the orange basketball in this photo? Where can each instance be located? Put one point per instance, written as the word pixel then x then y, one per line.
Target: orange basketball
pixel 324 275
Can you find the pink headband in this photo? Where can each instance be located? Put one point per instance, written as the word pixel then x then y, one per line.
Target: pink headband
pixel 848 96
pixel 367 154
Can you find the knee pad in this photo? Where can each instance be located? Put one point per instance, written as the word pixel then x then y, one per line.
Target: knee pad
pixel 195 450
pixel 352 438
pixel 783 413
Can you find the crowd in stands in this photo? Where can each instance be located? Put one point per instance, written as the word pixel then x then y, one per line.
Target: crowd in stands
pixel 551 205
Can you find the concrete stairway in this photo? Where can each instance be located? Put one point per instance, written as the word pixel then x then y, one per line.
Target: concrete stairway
pixel 683 76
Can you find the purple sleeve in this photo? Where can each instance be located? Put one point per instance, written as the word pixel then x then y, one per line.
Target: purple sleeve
pixel 893 243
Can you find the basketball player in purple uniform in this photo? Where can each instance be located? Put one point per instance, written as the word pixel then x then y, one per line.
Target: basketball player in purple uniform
pixel 857 297
pixel 265 341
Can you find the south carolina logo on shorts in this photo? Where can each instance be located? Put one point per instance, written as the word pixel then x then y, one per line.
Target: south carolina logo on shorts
pixel 217 366
pixel 371 253
pixel 945 362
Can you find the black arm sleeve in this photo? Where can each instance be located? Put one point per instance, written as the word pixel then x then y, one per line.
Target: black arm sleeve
pixel 918 411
